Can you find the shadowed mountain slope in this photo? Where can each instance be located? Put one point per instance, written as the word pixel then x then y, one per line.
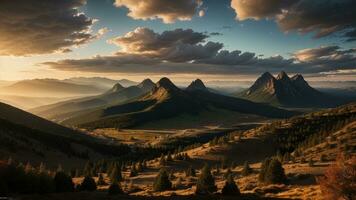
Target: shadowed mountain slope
pixel 117 94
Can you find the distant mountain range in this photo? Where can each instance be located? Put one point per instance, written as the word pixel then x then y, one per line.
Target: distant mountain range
pixel 166 101
pixel 117 94
pixel 49 87
pixel 288 92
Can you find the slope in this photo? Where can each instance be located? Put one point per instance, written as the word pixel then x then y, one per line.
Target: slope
pixel 167 101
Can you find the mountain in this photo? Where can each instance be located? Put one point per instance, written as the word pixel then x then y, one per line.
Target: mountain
pixel 286 91
pixel 168 101
pixel 26 102
pixel 197 85
pixel 102 82
pixel 117 94
pixel 49 87
pixel 26 137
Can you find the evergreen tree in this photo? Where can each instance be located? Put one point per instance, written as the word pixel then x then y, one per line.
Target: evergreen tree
pixel 190 172
pixel 133 171
pixel 227 173
pixel 101 180
pixel 206 182
pixel 230 187
pixel 169 157
pixel 162 161
pixel 263 171
pixel 115 188
pixel 247 169
pixel 162 181
pixel 63 182
pixel 116 175
pixel 275 172
pixel 88 184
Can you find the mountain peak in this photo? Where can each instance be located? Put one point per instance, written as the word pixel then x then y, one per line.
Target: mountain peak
pixel 298 77
pixel 117 87
pixel 283 76
pixel 146 84
pixel 166 84
pixel 197 85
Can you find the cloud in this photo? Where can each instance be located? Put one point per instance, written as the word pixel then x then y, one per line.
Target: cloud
pixel 40 26
pixel 187 51
pixel 167 10
pixel 319 16
pixel 176 45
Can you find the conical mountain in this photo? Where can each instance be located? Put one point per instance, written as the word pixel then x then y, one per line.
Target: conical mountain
pixel 117 87
pixel 285 91
pixel 146 85
pixel 197 85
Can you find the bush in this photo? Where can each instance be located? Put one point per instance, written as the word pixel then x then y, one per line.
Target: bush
pixel 162 181
pixel 88 184
pixel 339 180
pixel 115 188
pixel 206 182
pixel 63 182
pixel 247 169
pixel 101 180
pixel 272 172
pixel 230 187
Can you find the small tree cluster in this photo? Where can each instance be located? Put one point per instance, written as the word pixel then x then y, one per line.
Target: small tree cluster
pixel 272 172
pixel 230 187
pixel 162 181
pixel 206 182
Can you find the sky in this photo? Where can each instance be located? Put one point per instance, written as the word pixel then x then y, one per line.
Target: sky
pixel 182 39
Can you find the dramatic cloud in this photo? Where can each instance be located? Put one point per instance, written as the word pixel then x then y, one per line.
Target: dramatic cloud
pixel 167 10
pixel 144 40
pixel 320 16
pixel 328 58
pixel 41 26
pixel 186 51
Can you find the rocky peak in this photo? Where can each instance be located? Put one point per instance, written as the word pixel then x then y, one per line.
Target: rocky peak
pixel 283 76
pixel 146 84
pixel 166 84
pixel 197 85
pixel 117 87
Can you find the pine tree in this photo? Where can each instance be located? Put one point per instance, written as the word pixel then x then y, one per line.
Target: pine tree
pixel 101 180
pixel 133 171
pixel 115 188
pixel 88 184
pixel 169 157
pixel 63 182
pixel 246 170
pixel 116 174
pixel 206 182
pixel 227 173
pixel 275 172
pixel 190 172
pixel 162 181
pixel 230 187
pixel 162 161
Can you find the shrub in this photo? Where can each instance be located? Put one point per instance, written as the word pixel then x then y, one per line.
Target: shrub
pixel 162 181
pixel 101 180
pixel 230 187
pixel 339 180
pixel 115 188
pixel 63 182
pixel 206 182
pixel 88 184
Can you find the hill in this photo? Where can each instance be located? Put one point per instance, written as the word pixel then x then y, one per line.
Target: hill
pixel 168 101
pixel 49 87
pixel 117 94
pixel 26 137
pixel 287 92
